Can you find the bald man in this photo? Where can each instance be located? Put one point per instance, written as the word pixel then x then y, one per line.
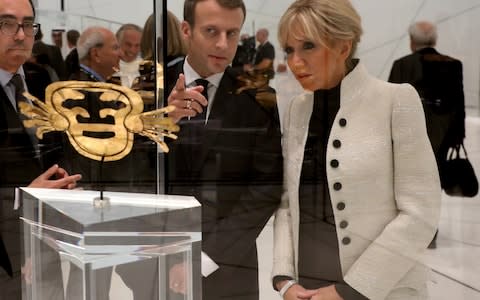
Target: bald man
pixel 438 79
pixel 98 54
pixel 264 55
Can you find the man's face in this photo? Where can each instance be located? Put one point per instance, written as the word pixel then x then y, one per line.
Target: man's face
pixel 130 45
pixel 15 49
pixel 57 38
pixel 107 57
pixel 261 36
pixel 213 39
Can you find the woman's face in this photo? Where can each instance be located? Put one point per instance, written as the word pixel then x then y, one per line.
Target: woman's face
pixel 315 66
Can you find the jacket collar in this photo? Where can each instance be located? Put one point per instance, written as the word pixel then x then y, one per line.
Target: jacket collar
pixel 353 84
pixel 427 50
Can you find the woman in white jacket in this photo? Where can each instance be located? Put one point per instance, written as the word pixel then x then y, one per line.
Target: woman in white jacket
pixel 362 195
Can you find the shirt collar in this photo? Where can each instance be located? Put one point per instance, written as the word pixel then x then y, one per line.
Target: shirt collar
pixel 191 75
pixel 263 44
pixel 6 76
pixel 92 72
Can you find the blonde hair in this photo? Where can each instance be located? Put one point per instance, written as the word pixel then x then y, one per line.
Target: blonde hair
pixel 322 21
pixel 147 42
pixel 175 43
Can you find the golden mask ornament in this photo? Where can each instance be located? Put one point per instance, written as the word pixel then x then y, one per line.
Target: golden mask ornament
pixel 100 119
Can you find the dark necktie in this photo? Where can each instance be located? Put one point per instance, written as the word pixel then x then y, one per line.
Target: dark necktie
pixel 17 82
pixel 202 116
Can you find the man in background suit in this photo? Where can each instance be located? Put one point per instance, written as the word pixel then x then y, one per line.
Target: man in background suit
pixel 438 79
pixel 228 152
pixel 52 56
pixel 71 61
pixel 129 36
pixel 264 54
pixel 20 160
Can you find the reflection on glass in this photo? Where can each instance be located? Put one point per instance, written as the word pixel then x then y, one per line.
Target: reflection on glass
pixel 139 235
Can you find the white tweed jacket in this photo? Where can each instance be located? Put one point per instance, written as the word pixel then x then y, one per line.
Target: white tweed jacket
pixel 385 191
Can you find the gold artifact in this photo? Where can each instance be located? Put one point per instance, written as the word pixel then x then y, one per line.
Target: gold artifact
pixel 100 118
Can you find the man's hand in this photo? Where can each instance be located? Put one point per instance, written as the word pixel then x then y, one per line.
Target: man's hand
pixel 55 178
pixel 325 293
pixel 293 291
pixel 188 102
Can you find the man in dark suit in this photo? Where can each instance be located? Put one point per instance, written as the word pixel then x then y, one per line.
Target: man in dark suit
pixel 264 54
pixel 438 79
pixel 71 61
pixel 20 158
pixel 51 55
pixel 228 152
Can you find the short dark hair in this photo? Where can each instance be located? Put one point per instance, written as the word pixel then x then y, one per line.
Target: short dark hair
pixel 190 5
pixel 39 34
pixel 72 36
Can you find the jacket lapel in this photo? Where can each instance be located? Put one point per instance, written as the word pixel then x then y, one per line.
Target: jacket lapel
pixel 12 117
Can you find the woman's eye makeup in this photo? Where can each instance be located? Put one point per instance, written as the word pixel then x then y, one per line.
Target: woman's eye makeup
pixel 288 50
pixel 305 46
pixel 308 45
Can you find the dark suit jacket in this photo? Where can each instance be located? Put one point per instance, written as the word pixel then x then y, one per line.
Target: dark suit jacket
pixel 37 79
pixel 266 51
pixel 55 59
pixel 20 163
pixel 18 167
pixel 439 81
pixel 233 166
pixel 71 63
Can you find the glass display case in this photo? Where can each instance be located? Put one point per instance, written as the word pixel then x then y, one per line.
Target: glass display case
pixel 152 242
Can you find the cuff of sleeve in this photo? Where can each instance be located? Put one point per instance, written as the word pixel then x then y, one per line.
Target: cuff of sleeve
pixel 279 278
pixel 286 287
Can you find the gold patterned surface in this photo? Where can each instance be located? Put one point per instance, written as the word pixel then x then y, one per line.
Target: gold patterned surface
pixel 99 118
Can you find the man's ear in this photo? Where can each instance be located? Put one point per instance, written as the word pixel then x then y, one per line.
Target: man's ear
pixel 186 30
pixel 93 54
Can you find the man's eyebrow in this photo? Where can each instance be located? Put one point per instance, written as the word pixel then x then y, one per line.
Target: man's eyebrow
pixel 8 17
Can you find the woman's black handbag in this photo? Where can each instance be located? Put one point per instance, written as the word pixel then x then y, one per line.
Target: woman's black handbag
pixel 457 175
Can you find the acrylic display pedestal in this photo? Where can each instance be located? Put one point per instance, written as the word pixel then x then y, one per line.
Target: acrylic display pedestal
pixel 151 241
